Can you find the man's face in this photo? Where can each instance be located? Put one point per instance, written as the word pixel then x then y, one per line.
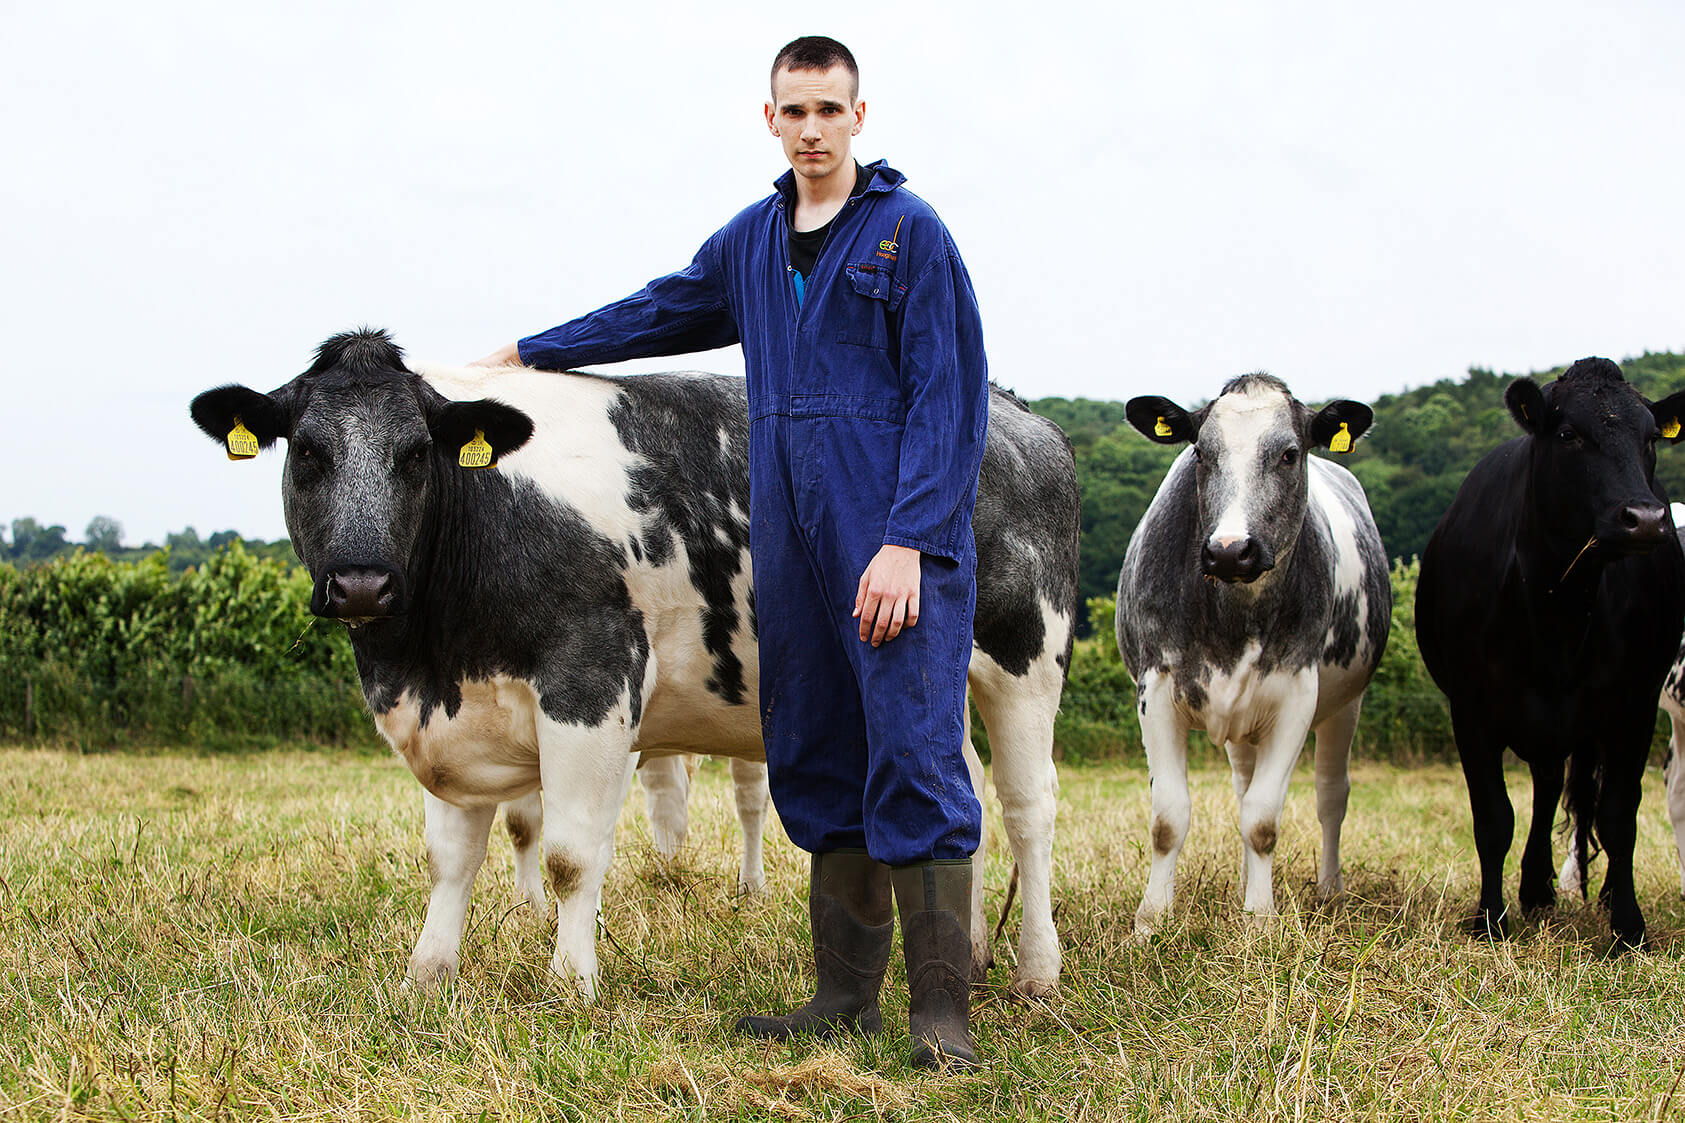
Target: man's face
pixel 814 115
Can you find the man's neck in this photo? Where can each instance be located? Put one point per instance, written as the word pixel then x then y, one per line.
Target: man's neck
pixel 819 200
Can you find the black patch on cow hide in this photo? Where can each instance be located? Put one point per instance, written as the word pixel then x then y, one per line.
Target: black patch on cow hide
pixel 693 486
pixel 507 581
pixel 1026 525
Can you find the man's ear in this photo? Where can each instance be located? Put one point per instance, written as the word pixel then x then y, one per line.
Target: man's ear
pixel 1161 420
pixel 485 422
pixel 1338 425
pixel 1526 404
pixel 1669 413
pixel 223 412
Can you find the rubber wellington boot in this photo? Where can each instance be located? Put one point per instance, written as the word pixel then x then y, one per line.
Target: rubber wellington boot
pixel 853 928
pixel 934 899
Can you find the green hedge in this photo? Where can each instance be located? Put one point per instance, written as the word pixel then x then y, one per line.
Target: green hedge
pixel 101 653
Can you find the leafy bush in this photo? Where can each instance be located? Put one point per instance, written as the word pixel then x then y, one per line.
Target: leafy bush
pixel 103 653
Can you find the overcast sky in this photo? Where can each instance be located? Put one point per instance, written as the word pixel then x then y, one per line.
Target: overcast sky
pixel 1150 197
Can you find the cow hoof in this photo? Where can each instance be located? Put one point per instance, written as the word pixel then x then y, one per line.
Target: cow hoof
pixel 1328 890
pixel 429 972
pixel 1488 925
pixel 539 910
pixel 750 886
pixel 1025 987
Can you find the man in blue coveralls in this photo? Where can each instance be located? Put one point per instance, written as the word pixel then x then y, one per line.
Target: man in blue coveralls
pixel 868 401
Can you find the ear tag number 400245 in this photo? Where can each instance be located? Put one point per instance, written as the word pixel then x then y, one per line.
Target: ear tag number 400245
pixel 476 453
pixel 1341 441
pixel 241 441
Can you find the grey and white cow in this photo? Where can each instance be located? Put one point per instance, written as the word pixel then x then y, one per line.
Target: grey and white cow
pixel 524 633
pixel 1254 604
pixel 1672 703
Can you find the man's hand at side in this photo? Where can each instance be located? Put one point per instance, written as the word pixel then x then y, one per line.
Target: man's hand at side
pixel 888 598
pixel 506 356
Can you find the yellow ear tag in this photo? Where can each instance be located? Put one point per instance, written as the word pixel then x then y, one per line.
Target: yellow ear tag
pixel 1342 441
pixel 1671 429
pixel 242 443
pixel 476 453
pixel 1161 428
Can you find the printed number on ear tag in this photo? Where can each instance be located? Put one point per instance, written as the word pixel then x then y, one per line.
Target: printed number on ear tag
pixel 1161 429
pixel 476 453
pixel 1671 429
pixel 242 443
pixel 1342 441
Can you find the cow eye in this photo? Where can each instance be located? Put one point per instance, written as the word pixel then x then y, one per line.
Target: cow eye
pixel 417 454
pixel 1290 457
pixel 1567 435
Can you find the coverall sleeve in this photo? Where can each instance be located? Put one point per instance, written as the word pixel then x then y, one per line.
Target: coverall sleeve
pixel 945 384
pixel 673 315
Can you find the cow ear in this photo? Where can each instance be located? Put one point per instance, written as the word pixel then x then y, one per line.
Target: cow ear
pixel 242 419
pixel 1669 414
pixel 1338 425
pixel 1526 404
pixel 472 431
pixel 1161 420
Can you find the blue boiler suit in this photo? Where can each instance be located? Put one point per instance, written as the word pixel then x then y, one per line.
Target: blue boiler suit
pixel 868 404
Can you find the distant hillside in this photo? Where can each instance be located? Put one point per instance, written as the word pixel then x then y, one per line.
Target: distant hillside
pixel 1422 445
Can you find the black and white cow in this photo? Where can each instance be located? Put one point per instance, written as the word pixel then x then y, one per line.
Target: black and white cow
pixel 1672 702
pixel 1550 605
pixel 524 633
pixel 1254 604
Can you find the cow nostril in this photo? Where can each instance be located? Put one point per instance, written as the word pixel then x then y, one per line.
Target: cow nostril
pixel 386 590
pixel 1630 519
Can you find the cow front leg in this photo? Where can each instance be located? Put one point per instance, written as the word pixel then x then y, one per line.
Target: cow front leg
pixel 1164 731
pixel 1333 791
pixel 1494 822
pixel 666 784
pixel 1538 892
pixel 1674 774
pixel 1021 747
pixel 1260 811
pixel 456 848
pixel 1243 761
pixel 586 772
pixel 748 781
pixel 523 818
pixel 1617 830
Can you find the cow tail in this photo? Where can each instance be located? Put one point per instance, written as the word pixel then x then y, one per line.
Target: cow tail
pixel 1581 796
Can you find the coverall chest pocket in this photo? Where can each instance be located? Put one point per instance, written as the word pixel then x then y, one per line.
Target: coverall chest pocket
pixel 870 298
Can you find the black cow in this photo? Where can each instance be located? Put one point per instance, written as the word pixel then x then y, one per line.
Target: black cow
pixel 524 633
pixel 1548 611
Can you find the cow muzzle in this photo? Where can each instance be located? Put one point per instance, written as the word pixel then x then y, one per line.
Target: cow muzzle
pixel 1234 559
pixel 358 592
pixel 1635 528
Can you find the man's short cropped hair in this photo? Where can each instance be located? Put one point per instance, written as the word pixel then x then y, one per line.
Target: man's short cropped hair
pixel 817 52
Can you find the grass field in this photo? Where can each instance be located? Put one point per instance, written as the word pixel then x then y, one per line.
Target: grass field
pixel 191 936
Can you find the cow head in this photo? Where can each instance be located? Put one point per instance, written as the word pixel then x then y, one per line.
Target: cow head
pixel 1592 456
pixel 370 447
pixel 1249 448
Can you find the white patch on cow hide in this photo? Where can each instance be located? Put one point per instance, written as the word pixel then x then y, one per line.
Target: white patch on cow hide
pixel 1242 420
pixel 486 754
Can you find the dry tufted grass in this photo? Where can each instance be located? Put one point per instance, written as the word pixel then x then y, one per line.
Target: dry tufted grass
pixel 196 937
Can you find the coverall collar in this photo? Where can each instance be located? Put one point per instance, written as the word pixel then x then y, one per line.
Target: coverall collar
pixel 884 179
